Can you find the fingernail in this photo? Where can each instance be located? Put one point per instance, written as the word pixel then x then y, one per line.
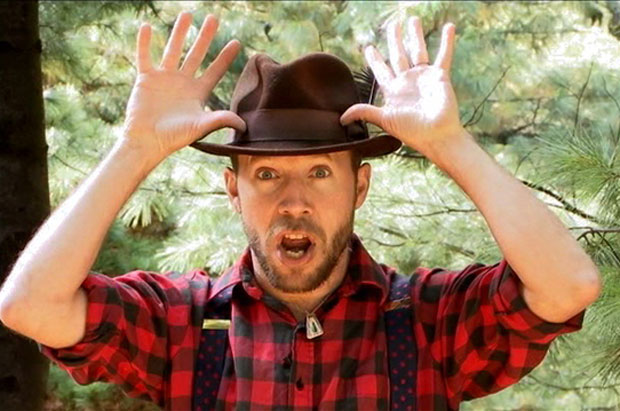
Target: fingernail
pixel 212 19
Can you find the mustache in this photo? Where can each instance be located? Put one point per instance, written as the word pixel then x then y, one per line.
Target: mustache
pixel 296 224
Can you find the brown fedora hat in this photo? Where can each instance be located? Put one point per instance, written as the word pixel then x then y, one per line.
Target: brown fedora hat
pixel 295 109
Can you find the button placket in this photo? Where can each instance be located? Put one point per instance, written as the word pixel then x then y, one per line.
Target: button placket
pixel 301 375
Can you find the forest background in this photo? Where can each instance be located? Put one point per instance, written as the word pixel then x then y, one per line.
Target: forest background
pixel 538 85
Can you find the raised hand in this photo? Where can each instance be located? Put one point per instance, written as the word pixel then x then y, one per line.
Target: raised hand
pixel 420 106
pixel 165 110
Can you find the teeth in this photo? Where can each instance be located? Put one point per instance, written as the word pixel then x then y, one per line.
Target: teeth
pixel 295 254
pixel 295 236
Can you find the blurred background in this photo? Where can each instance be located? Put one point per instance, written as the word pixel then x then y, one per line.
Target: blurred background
pixel 538 85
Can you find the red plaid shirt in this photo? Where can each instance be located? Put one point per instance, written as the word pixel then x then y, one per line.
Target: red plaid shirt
pixel 474 335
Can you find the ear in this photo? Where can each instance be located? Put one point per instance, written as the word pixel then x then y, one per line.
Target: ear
pixel 363 184
pixel 230 181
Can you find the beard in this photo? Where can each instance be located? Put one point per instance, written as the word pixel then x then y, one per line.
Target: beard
pixel 301 280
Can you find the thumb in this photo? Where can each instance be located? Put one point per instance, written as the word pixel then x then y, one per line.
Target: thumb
pixel 214 120
pixel 364 112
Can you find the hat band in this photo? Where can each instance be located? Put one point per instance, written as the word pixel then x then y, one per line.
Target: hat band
pixel 265 125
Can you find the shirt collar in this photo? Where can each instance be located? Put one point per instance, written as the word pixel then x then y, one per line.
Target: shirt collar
pixel 362 272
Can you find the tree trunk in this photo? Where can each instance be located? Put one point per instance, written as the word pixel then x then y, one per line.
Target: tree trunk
pixel 24 190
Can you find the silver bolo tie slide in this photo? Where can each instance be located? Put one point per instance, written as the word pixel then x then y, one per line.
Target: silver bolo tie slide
pixel 313 327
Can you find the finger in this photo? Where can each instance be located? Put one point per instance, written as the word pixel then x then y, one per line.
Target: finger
pixel 398 55
pixel 143 54
pixel 174 47
pixel 382 71
pixel 364 112
pixel 446 49
pixel 419 54
pixel 218 67
pixel 197 53
pixel 215 120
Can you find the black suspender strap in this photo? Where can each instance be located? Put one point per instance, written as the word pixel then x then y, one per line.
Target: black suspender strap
pixel 401 349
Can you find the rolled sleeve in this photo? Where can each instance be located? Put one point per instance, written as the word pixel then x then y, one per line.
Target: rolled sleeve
pixel 480 335
pixel 135 325
pixel 514 314
pixel 103 314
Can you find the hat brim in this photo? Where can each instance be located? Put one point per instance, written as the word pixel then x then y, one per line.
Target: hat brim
pixel 370 147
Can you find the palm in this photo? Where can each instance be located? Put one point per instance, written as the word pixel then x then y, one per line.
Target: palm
pixel 166 106
pixel 420 106
pixel 418 101
pixel 165 111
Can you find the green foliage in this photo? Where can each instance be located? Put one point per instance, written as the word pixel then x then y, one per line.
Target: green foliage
pixel 585 163
pixel 66 395
pixel 537 85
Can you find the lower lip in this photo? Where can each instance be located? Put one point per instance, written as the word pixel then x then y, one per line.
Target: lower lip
pixel 294 262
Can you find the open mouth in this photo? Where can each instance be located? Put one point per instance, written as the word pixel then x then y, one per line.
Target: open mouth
pixel 295 246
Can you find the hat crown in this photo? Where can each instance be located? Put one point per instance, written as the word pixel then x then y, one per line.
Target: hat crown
pixel 318 81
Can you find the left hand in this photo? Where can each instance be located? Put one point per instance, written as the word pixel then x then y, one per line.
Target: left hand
pixel 420 105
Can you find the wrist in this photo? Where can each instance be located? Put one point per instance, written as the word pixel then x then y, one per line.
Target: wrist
pixel 143 159
pixel 445 152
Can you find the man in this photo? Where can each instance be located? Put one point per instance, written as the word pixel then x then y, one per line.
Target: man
pixel 306 300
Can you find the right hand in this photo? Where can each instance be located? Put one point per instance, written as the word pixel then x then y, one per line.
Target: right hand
pixel 165 110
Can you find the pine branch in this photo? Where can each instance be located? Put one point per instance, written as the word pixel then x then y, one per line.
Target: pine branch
pixel 585 387
pixel 617 104
pixel 610 247
pixel 393 232
pixel 459 249
pixel 503 135
pixel 405 154
pixel 451 247
pixel 592 230
pixel 185 191
pixel 610 95
pixel 580 96
pixel 567 206
pixel 381 243
pixel 474 116
pixel 447 210
pixel 600 232
pixel 66 164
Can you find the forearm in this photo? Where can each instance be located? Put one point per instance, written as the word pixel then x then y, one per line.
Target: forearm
pixel 57 259
pixel 421 110
pixel 546 257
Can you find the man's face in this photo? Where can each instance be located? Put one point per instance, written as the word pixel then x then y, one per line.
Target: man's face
pixel 297 213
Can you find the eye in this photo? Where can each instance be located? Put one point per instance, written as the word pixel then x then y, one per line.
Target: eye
pixel 322 172
pixel 265 174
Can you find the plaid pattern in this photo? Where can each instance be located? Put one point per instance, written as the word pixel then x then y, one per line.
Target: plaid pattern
pixel 473 332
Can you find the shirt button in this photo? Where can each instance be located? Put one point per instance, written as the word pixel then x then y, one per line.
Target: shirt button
pixel 299 384
pixel 286 362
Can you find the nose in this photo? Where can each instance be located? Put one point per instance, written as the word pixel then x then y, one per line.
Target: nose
pixel 294 200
